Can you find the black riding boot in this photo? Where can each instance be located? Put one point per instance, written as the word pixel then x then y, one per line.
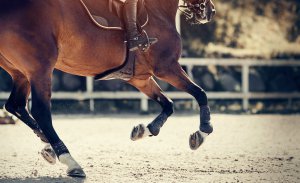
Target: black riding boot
pixel 135 40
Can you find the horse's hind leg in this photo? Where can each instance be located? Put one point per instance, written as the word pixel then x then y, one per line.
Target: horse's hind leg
pixel 17 101
pixel 41 93
pixel 177 77
pixel 152 90
pixel 17 105
pixel 37 59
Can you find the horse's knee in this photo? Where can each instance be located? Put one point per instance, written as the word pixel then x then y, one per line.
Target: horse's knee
pixel 166 104
pixel 199 94
pixel 202 98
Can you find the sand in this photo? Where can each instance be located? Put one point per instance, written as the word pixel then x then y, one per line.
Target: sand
pixel 262 148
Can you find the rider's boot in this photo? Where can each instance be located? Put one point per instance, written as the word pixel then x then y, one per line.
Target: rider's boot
pixel 135 40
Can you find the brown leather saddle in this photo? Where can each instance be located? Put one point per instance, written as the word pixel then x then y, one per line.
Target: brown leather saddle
pixel 114 20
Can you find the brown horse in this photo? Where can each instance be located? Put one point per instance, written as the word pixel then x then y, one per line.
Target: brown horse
pixel 38 36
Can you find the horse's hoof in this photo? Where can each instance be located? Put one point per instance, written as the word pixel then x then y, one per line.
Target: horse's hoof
pixel 139 132
pixel 196 140
pixel 78 172
pixel 48 154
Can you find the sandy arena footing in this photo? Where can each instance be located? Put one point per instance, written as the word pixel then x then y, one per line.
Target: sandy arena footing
pixel 259 148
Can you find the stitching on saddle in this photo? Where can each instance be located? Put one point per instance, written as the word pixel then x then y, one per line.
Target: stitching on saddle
pixel 106 27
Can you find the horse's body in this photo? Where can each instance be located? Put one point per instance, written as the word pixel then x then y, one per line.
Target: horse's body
pixel 37 36
pixel 76 45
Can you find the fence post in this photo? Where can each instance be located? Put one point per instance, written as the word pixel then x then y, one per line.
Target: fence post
pixel 245 83
pixel 178 22
pixel 90 89
pixel 144 104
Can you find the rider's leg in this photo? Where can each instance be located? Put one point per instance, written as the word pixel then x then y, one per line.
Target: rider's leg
pixel 134 38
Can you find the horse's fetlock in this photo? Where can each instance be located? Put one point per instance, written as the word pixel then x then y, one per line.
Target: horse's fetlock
pixel 68 160
pixel 169 109
pixel 60 148
pixel 206 128
pixel 204 114
pixel 154 129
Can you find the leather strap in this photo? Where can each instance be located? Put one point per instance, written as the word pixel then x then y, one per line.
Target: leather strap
pixel 110 5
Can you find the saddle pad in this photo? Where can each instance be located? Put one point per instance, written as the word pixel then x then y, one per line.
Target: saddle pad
pixel 112 20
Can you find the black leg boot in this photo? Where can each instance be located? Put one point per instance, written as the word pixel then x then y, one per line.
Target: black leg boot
pixel 135 40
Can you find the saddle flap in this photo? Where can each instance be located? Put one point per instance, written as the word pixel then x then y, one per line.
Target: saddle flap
pixel 101 20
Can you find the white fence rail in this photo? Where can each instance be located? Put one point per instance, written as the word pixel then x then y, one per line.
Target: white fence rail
pixel 245 95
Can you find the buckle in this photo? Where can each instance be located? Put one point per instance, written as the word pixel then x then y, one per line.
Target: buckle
pixel 147 45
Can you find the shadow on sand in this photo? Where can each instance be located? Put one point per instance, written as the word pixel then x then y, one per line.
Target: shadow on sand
pixel 42 180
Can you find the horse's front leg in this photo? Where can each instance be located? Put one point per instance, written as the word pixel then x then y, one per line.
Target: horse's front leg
pixel 177 77
pixel 152 90
pixel 41 94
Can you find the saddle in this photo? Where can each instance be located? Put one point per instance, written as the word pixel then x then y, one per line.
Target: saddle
pixel 114 21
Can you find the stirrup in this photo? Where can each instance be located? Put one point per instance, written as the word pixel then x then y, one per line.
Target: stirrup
pixel 150 41
pixel 140 44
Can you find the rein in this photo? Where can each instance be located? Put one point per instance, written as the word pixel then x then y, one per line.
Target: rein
pixel 190 10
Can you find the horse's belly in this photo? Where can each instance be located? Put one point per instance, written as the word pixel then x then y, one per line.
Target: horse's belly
pixel 90 64
pixel 88 56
